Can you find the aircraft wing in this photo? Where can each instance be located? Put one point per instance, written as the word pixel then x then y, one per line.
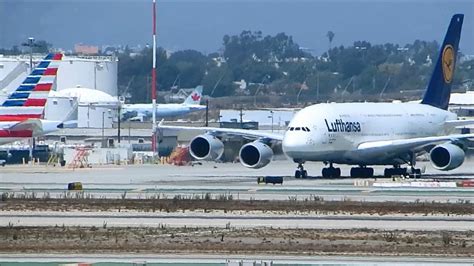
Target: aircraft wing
pixel 29 124
pixel 228 132
pixel 36 126
pixel 388 147
pixel 460 123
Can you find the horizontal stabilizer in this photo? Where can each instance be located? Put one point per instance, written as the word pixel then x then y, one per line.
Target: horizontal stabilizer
pixel 459 123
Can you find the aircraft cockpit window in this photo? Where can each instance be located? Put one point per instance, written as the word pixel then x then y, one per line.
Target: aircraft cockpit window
pixel 305 129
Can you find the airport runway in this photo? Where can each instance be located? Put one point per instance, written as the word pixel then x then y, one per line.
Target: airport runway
pixel 140 181
pixel 217 260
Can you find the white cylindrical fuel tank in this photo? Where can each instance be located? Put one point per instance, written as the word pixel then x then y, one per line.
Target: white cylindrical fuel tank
pixel 98 73
pixel 95 72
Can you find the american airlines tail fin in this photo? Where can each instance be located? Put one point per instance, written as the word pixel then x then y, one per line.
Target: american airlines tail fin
pixel 29 99
pixel 195 96
pixel 439 89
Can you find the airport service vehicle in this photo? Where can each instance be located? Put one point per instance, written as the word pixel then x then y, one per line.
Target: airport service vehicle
pixel 270 179
pixel 360 134
pixel 74 186
pixel 22 112
pixel 136 112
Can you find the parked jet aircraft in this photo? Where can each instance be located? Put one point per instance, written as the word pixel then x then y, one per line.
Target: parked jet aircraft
pixel 22 112
pixel 361 134
pixel 141 110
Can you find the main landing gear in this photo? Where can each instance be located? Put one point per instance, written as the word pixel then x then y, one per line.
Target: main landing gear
pixel 300 172
pixel 414 173
pixel 331 172
pixel 397 171
pixel 362 172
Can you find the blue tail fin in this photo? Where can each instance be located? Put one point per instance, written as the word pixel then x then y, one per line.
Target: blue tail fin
pixel 439 89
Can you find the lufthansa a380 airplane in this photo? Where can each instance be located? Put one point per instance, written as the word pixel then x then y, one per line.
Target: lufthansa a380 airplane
pixel 140 110
pixel 361 134
pixel 22 112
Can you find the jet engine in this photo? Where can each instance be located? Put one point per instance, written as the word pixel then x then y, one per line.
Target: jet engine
pixel 255 154
pixel 206 147
pixel 446 156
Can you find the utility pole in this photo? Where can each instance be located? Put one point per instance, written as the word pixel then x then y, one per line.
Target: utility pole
pixel 317 86
pixel 271 116
pixel 129 131
pixel 241 118
pixel 207 112
pixel 103 133
pixel 119 120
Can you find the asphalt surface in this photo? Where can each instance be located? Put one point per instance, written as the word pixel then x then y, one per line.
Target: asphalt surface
pixel 138 181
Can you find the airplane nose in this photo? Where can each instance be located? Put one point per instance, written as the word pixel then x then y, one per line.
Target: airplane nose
pixel 292 144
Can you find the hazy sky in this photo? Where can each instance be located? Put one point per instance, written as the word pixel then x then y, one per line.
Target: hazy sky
pixel 201 24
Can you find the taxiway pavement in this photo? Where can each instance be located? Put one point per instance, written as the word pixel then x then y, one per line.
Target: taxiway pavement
pixel 139 181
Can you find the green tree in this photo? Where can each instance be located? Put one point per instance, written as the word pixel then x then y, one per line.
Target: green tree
pixel 41 47
pixel 330 36
pixel 218 82
pixel 191 66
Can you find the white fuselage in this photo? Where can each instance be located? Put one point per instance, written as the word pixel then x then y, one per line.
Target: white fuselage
pixel 336 130
pixel 162 110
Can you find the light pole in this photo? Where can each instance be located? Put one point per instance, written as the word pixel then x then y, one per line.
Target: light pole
pixel 30 44
pixel 362 49
pixel 31 41
pixel 271 116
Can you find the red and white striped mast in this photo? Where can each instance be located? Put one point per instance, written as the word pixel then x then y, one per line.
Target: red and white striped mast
pixel 153 82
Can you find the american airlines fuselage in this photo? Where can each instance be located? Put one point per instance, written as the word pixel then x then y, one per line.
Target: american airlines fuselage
pixel 336 132
pixel 44 127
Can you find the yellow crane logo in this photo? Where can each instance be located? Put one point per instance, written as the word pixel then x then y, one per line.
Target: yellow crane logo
pixel 448 63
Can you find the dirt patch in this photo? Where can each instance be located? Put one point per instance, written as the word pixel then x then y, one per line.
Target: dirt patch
pixel 317 205
pixel 63 239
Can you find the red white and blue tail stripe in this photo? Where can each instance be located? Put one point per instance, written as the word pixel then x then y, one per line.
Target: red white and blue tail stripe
pixel 29 99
